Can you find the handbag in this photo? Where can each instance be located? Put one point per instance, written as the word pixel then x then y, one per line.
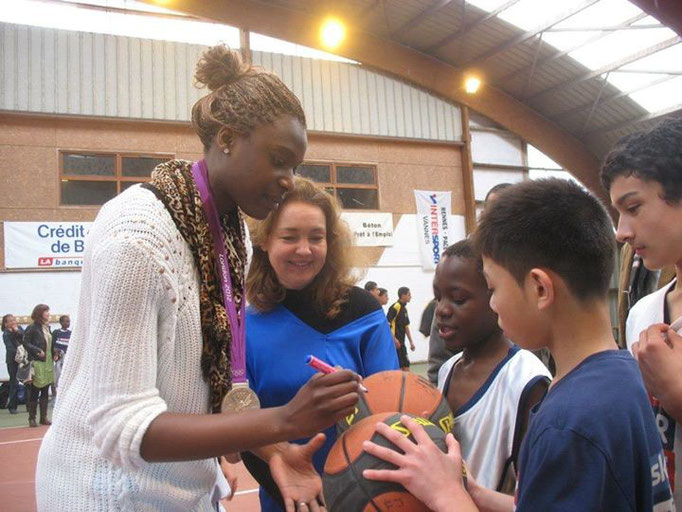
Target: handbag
pixel 26 373
pixel 21 356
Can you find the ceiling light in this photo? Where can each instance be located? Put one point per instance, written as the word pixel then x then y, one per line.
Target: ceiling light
pixel 471 84
pixel 332 33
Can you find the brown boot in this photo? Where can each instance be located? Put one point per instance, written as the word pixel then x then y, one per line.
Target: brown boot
pixel 43 409
pixel 32 407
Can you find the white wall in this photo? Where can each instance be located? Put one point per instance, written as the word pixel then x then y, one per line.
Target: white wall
pixel 400 265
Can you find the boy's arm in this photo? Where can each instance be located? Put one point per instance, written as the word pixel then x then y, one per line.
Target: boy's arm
pixel 409 337
pixel 530 398
pixel 659 354
pixel 391 316
pixel 423 468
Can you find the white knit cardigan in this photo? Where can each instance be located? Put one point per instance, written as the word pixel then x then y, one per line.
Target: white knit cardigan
pixel 134 353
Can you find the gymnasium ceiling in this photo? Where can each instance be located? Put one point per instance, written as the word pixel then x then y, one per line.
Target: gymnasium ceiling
pixel 574 73
pixel 569 76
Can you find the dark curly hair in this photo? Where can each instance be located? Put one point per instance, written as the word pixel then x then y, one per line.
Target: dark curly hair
pixel 652 155
pixel 241 97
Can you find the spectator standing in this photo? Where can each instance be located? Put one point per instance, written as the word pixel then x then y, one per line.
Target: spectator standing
pixel 12 335
pixel 38 343
pixel 399 321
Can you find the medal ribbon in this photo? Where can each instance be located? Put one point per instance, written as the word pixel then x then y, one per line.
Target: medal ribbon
pixel 237 328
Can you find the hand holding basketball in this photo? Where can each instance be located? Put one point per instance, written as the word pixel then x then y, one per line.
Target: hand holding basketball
pixel 298 481
pixel 422 467
pixel 321 402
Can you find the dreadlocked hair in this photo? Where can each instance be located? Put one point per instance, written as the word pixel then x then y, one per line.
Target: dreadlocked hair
pixel 242 96
pixel 330 287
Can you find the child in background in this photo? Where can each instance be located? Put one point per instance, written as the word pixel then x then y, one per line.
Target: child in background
pixel 491 384
pixel 60 343
pixel 592 444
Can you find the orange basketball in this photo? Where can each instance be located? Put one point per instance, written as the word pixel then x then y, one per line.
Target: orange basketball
pixel 344 487
pixel 398 391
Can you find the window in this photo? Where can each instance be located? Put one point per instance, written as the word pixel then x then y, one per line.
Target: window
pixel 354 185
pixel 91 179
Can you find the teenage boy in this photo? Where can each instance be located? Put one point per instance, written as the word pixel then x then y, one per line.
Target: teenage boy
pixel 491 384
pixel 592 444
pixel 643 175
pixel 399 322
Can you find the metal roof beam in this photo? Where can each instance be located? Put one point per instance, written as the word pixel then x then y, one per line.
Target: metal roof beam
pixel 650 71
pixel 416 20
pixel 563 53
pixel 465 30
pixel 532 68
pixel 478 60
pixel 602 130
pixel 620 94
pixel 609 67
pixel 604 29
pixel 594 105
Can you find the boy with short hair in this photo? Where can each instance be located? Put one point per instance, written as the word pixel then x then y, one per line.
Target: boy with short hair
pixel 592 444
pixel 643 174
pixel 383 296
pixel 399 321
pixel 490 384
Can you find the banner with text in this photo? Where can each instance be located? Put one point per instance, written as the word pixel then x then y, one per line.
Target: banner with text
pixel 370 229
pixel 433 216
pixel 45 244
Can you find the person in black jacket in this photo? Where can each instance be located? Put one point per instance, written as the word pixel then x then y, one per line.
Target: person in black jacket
pixel 12 335
pixel 38 343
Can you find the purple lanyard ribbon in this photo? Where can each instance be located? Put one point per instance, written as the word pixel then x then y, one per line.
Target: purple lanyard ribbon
pixel 200 174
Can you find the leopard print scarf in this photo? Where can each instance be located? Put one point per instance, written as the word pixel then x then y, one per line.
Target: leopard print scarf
pixel 175 185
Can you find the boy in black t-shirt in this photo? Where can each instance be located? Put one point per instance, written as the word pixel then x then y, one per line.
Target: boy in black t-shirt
pixel 400 326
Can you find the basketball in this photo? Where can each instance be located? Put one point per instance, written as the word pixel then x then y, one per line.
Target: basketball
pixel 344 487
pixel 398 391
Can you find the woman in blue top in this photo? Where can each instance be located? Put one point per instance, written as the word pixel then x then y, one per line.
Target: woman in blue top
pixel 303 302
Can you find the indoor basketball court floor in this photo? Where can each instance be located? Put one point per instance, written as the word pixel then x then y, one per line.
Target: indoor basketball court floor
pixel 19 447
pixel 18 454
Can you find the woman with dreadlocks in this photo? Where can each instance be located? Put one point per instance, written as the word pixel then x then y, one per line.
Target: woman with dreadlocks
pixel 159 344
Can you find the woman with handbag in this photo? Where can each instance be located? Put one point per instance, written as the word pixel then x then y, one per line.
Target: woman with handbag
pixel 12 335
pixel 38 343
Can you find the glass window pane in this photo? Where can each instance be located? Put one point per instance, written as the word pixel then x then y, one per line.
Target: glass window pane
pixel 139 165
pixel 87 192
pixel 359 175
pixel 359 198
pixel 93 165
pixel 127 184
pixel 315 172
